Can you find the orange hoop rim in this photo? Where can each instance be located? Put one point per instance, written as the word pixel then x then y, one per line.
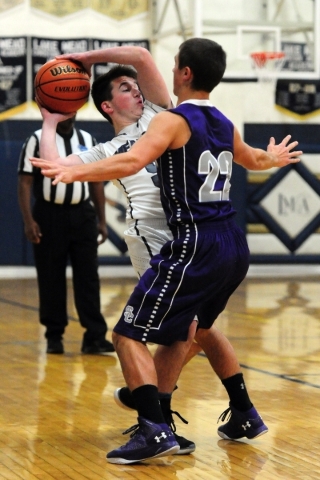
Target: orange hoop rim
pixel 260 58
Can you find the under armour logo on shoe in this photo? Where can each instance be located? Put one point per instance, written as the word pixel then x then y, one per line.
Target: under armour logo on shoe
pixel 242 386
pixel 246 425
pixel 163 435
pixel 128 314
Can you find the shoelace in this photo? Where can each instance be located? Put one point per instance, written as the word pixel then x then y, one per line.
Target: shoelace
pixel 224 415
pixel 134 429
pixel 170 420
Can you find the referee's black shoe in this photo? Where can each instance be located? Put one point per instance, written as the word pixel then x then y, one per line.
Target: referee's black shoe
pixel 98 347
pixel 55 346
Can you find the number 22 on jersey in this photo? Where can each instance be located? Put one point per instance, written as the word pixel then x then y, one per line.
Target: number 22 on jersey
pixel 215 188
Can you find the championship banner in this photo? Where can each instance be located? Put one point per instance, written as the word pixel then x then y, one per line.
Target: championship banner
pixel 98 44
pixel 59 8
pixel 45 49
pixel 13 76
pixel 298 97
pixel 297 57
pixel 120 10
pixel 115 9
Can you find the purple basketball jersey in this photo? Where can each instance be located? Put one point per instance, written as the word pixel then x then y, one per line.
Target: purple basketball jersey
pixel 198 173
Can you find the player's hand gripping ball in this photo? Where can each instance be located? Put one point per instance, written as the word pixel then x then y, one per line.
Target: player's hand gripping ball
pixel 62 86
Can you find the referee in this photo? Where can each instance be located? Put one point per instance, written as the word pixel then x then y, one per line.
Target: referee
pixel 62 225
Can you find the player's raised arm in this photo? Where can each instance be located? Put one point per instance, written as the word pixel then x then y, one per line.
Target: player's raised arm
pixel 48 146
pixel 150 80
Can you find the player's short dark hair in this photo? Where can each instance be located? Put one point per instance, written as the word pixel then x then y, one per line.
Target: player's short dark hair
pixel 101 89
pixel 207 61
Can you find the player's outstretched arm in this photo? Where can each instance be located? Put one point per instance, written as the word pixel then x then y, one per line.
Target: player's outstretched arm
pixel 276 155
pixel 150 80
pixel 166 130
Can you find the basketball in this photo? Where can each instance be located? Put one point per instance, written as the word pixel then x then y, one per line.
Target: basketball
pixel 62 86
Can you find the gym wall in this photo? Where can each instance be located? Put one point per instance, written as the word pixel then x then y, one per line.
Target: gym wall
pixel 250 105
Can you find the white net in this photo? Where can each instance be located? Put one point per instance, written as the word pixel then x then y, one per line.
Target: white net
pixel 267 64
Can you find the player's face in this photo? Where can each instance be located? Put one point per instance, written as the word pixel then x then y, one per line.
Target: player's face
pixel 127 98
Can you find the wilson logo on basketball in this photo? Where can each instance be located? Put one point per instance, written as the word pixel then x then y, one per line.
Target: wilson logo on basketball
pixel 65 70
pixel 72 89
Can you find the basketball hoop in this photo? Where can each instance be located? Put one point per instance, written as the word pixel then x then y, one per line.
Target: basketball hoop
pixel 267 64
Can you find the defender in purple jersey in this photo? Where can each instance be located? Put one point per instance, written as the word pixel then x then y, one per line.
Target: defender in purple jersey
pixel 198 270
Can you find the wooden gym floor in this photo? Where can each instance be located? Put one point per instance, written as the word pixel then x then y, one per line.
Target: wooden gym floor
pixel 58 418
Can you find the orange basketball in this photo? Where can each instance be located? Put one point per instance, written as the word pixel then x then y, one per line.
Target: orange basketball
pixel 62 86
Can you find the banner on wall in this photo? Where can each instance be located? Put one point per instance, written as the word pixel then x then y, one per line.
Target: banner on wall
pixel 45 49
pixel 98 44
pixel 111 8
pixel 59 8
pixel 13 75
pixel 298 97
pixel 297 57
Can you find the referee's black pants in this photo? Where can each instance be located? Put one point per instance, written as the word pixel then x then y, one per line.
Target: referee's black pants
pixel 69 232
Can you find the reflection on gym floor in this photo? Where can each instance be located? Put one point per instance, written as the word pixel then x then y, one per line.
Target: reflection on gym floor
pixel 58 417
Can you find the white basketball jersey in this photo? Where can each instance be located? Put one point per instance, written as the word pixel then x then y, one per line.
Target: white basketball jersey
pixel 141 190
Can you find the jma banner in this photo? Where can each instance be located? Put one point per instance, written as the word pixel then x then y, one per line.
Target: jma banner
pixel 13 75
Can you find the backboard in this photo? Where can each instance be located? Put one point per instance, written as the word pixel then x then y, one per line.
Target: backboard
pixel 246 26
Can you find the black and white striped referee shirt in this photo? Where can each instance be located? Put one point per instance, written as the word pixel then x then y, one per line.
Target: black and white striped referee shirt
pixel 72 193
